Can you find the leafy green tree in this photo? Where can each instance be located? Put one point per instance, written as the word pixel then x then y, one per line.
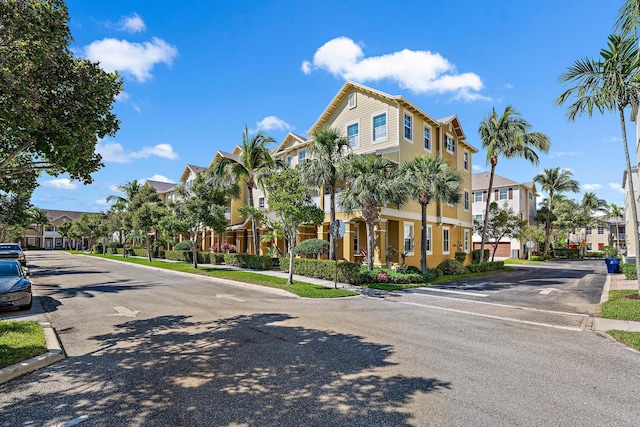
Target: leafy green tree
pixel 250 166
pixel 373 181
pixel 146 219
pixel 328 149
pixel 509 136
pixel 554 181
pixel 196 208
pixel 290 200
pixel 63 230
pixel 89 225
pixel 609 83
pixel 502 222
pixel 14 218
pixel 40 218
pixel 130 190
pixel 54 107
pixel 429 178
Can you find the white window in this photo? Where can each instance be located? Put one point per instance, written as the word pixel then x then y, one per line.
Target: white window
pixel 408 237
pixel 289 159
pixel 589 246
pixel 503 193
pixel 449 144
pixel 380 127
pixel 356 243
pixel 428 242
pixel 466 161
pixel 600 230
pixel 408 129
pixel 261 202
pixel 302 155
pixel 445 240
pixel 427 138
pixel 477 196
pixel 478 218
pixel 466 240
pixel 353 135
pixel 588 230
pixel 351 100
pixel 466 200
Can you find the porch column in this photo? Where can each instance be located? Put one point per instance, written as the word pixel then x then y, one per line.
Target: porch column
pixel 381 240
pixel 347 241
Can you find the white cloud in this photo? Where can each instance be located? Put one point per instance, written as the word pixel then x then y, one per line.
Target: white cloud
pixel 122 96
pixel 508 86
pixel 132 59
pixel 160 178
pixel 102 202
pixel 592 186
pixel 478 168
pixel 566 154
pixel 132 24
pixel 616 186
pixel 60 184
pixel 419 71
pixel 114 152
pixel 271 123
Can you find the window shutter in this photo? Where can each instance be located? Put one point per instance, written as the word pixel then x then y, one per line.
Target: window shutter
pixel 484 196
pixel 510 193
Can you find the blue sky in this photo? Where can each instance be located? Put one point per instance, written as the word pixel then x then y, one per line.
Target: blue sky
pixel 195 72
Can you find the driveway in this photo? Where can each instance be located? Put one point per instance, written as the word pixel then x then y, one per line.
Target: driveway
pixel 566 286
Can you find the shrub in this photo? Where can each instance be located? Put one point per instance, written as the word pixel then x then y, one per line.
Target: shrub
pixel 204 258
pixel 461 257
pixel 140 252
pixel 536 258
pixel 255 262
pixel 485 266
pixel 312 247
pixel 183 246
pixel 451 266
pixel 216 258
pixel 568 253
pixel 176 255
pixel 629 271
pixel 475 255
pixel 96 249
pixel 348 272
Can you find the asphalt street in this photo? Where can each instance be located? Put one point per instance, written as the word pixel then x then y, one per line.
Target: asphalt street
pixel 147 347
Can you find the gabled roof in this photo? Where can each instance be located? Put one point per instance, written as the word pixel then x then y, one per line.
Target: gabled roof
pixel 399 100
pixel 161 186
pixel 54 215
pixel 481 181
pixel 191 169
pixel 220 153
pixel 290 141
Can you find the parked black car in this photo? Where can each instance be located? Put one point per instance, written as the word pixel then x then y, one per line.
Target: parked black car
pixel 15 289
pixel 13 251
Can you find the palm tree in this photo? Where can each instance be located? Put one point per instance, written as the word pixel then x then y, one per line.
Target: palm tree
pixel 629 18
pixel 40 218
pixel 429 178
pixel 373 181
pixel 251 165
pixel 130 189
pixel 608 84
pixel 508 136
pixel 616 211
pixel 321 170
pixel 553 181
pixel 592 204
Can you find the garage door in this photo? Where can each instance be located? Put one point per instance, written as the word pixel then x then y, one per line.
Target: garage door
pixel 503 251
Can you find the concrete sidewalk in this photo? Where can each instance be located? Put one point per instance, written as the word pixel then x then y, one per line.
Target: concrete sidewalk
pixel 616 282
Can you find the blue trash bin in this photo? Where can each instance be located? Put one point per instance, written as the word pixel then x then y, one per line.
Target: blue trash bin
pixel 613 265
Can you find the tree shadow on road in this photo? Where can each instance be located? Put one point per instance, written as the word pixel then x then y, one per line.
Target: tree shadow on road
pixel 248 370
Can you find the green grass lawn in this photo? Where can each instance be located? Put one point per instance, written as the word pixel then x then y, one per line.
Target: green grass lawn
pixel 302 289
pixel 620 307
pixel 631 339
pixel 20 341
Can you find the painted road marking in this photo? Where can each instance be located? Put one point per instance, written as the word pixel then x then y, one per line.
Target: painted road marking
pixel 449 291
pixel 125 312
pixel 231 297
pixel 73 422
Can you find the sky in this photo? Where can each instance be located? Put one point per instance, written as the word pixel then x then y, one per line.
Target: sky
pixel 197 72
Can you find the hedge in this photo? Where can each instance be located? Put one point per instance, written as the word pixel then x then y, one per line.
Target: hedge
pixel 255 262
pixel 475 255
pixel 629 271
pixel 569 253
pixel 348 272
pixel 485 266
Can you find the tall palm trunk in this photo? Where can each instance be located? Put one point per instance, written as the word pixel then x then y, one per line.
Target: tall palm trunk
pixel 486 210
pixel 547 226
pixel 423 238
pixel 254 227
pixel 332 219
pixel 634 209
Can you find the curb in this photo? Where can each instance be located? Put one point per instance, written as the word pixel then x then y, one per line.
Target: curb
pixel 54 354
